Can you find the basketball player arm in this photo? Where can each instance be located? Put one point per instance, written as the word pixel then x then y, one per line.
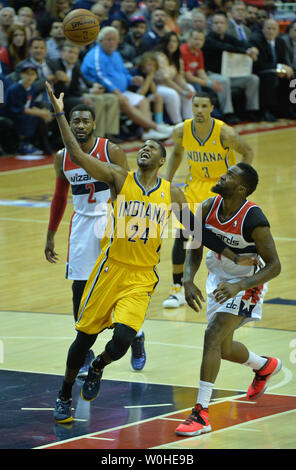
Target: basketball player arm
pixel 57 208
pixel 108 173
pixel 266 249
pixel 230 139
pixel 177 153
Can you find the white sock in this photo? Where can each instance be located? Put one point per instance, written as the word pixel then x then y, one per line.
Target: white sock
pixel 255 361
pixel 140 332
pixel 205 390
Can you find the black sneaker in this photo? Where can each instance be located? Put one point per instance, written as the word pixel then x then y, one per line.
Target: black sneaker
pixel 138 359
pixel 62 412
pixel 92 383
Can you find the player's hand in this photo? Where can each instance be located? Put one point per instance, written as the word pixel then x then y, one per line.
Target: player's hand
pixel 247 259
pixel 225 291
pixel 193 296
pixel 50 254
pixel 57 103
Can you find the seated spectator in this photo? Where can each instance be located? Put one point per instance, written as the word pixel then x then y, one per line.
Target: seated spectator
pixel 68 79
pixel 8 136
pixel 111 8
pixel 25 16
pixel 236 23
pixel 290 40
pixel 134 37
pixel 56 39
pixel 218 41
pixel 170 80
pixel 147 66
pixel 17 48
pixel 54 9
pixel 37 56
pixel 128 9
pixel 30 121
pixel 194 70
pixel 126 50
pixel 157 29
pixel 7 17
pixel 274 72
pixel 172 9
pixel 198 23
pixel 262 15
pixel 146 9
pixel 101 13
pixel 251 19
pixel 104 65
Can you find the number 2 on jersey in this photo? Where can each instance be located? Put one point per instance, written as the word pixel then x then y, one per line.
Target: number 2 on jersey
pixel 91 187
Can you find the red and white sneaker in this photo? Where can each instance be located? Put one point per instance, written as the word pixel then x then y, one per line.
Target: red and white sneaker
pixel 262 376
pixel 197 423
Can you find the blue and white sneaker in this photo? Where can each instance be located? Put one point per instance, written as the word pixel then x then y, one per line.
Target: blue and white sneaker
pixel 63 411
pixel 84 369
pixel 92 383
pixel 138 358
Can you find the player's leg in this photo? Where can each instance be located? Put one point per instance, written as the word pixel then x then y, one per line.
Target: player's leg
pixel 75 359
pixel 221 325
pixel 176 296
pixel 263 366
pixel 115 349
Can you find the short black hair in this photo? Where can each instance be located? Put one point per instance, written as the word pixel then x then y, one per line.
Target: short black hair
pixel 83 107
pixel 203 94
pixel 249 177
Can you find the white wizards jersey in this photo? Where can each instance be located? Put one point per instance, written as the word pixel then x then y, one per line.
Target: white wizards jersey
pixel 90 196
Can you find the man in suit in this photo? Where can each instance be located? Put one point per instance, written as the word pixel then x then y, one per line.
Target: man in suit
pixel 68 79
pixel 290 40
pixel 275 71
pixel 236 25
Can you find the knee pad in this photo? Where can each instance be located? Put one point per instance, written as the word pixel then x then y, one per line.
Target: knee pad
pixel 123 337
pixel 78 350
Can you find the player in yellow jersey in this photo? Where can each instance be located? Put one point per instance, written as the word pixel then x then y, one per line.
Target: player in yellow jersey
pixel 118 291
pixel 209 145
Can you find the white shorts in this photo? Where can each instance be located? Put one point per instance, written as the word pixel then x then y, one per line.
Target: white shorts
pixel 84 245
pixel 247 304
pixel 134 98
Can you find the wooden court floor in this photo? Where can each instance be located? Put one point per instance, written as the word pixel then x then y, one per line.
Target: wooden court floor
pixel 37 326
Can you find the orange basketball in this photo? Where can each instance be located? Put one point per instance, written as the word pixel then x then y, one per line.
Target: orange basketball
pixel 81 27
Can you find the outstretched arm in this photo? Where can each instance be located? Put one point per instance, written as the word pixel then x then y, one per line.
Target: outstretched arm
pixel 111 174
pixel 229 138
pixel 177 153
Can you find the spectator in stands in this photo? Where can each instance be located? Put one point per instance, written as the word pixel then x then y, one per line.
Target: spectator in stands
pixel 157 30
pixel 56 40
pixel 198 23
pixel 126 50
pixel 26 17
pixel 147 67
pixel 103 64
pixel 290 40
pixel 147 7
pixel 261 17
pixel 54 9
pixel 30 121
pixel 37 55
pixel 17 49
pixel 135 35
pixel 274 71
pixel 128 9
pixel 251 19
pixel 99 10
pixel 218 41
pixel 111 8
pixel 236 23
pixel 68 79
pixel 7 17
pixel 177 93
pixel 172 9
pixel 194 70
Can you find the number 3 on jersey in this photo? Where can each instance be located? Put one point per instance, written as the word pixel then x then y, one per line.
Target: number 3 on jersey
pixel 91 187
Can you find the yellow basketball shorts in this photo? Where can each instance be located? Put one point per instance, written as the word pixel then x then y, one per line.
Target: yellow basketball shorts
pixel 115 293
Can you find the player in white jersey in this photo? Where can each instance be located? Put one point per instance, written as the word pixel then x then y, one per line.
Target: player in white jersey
pixel 90 198
pixel 234 293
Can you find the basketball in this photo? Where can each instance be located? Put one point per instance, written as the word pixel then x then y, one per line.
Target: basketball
pixel 81 27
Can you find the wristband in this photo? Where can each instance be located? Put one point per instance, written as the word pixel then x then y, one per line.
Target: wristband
pixel 209 84
pixel 184 92
pixel 235 259
pixel 58 114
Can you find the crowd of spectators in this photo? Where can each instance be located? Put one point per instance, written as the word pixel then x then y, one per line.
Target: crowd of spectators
pixel 150 58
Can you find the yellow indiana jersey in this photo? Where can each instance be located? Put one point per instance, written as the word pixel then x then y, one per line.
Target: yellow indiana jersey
pixel 207 160
pixel 138 222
